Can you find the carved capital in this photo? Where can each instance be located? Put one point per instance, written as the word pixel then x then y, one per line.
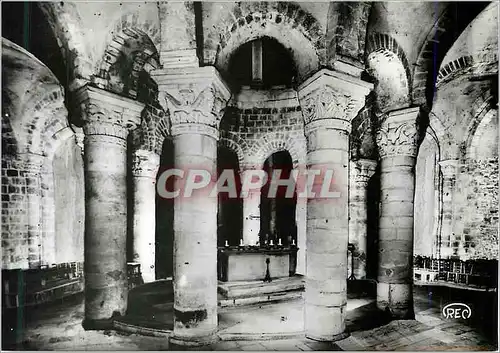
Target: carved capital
pixel 363 169
pixel 398 134
pixel 194 97
pixel 449 168
pixel 330 95
pixel 145 164
pixel 105 113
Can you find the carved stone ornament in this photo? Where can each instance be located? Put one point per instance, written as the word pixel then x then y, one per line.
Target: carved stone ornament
pixel 363 169
pixel 195 98
pixel 145 164
pixel 105 113
pixel 332 99
pixel 327 102
pixel 193 105
pixel 398 134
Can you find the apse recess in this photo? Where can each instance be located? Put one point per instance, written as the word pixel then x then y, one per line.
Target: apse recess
pixel 278 68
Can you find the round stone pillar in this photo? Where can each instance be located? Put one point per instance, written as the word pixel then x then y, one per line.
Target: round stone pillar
pixel 361 172
pixel 329 101
pixel 397 141
pixel 195 98
pixel 144 169
pixel 449 171
pixel 251 218
pixel 107 119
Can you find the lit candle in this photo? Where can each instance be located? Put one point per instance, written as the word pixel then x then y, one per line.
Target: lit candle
pixel 271 243
pixel 279 241
pixel 227 243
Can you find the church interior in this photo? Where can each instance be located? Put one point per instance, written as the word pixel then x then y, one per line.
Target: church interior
pixel 398 99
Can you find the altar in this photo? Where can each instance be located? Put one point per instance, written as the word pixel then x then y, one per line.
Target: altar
pixel 251 263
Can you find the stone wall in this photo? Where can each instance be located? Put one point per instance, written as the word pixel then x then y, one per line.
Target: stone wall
pixel 261 123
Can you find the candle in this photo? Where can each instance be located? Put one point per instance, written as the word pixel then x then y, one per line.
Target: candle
pixel 279 241
pixel 241 242
pixel 227 243
pixel 293 241
pixel 271 243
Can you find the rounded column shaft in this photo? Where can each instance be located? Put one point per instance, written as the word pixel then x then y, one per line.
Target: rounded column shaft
pixel 326 241
pixel 397 141
pixel 361 171
pixel 195 245
pixel 251 218
pixel 145 167
pixel 449 170
pixel 106 227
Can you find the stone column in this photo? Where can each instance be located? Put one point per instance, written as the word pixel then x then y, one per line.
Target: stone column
pixel 397 140
pixel 329 101
pixel 361 172
pixel 449 169
pixel 144 169
pixel 195 98
pixel 107 119
pixel 251 217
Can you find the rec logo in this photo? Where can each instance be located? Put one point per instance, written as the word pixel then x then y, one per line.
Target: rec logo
pixel 457 311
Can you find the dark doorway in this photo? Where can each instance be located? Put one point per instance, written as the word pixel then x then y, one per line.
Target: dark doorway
pixel 165 218
pixel 277 213
pixel 230 208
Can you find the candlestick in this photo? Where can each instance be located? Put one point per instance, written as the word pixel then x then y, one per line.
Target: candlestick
pixel 279 241
pixel 227 243
pixel 271 243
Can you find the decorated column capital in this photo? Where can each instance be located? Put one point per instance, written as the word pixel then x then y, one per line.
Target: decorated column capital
pixel 145 164
pixel 449 168
pixel 195 98
pixel 398 134
pixel 363 170
pixel 331 99
pixel 105 113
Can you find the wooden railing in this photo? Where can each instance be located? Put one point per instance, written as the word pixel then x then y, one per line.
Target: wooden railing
pixel 46 284
pixel 475 273
pixel 41 285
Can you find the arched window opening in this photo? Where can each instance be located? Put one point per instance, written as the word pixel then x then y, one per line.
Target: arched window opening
pixel 261 64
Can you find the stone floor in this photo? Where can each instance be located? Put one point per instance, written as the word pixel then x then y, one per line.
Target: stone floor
pixel 58 327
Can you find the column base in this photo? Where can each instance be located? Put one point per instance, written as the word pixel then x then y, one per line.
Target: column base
pixel 176 341
pixel 396 299
pixel 333 338
pixel 98 324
